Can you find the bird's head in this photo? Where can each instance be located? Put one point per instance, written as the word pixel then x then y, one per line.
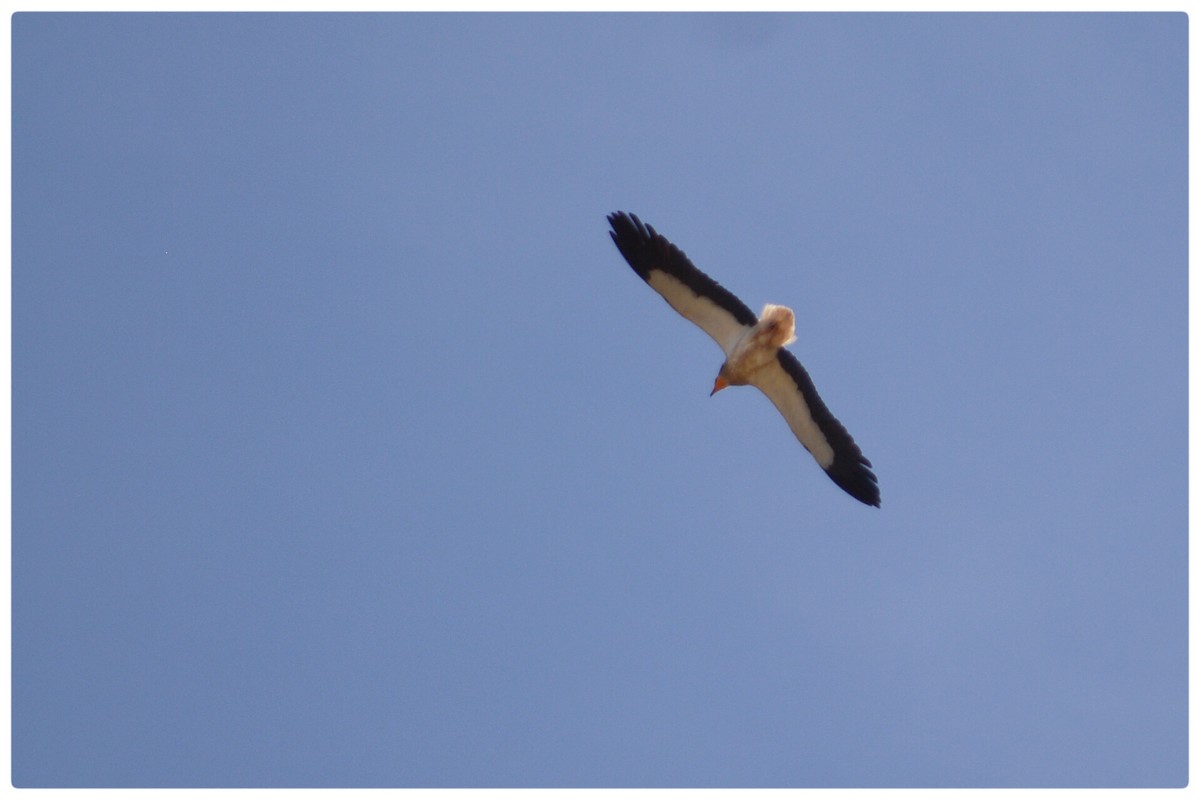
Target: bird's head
pixel 720 383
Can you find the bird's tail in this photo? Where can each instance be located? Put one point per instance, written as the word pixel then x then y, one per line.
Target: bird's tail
pixel 777 326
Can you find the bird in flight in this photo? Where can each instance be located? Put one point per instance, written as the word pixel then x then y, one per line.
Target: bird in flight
pixel 754 350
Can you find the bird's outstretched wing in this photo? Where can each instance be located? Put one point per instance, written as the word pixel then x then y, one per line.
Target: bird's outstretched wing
pixel 689 291
pixel 786 383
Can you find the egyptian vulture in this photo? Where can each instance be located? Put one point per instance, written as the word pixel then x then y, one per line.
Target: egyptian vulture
pixel 754 350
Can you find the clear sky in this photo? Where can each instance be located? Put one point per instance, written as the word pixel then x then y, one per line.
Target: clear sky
pixel 347 450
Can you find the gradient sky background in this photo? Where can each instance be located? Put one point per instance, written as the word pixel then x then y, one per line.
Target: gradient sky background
pixel 348 451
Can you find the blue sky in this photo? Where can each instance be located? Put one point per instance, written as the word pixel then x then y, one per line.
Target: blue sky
pixel 347 451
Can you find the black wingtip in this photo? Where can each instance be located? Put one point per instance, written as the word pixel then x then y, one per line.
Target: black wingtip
pixel 624 218
pixel 853 474
pixel 639 243
pixel 859 485
pixel 629 226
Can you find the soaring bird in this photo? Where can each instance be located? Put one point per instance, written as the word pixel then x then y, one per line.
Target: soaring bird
pixel 754 350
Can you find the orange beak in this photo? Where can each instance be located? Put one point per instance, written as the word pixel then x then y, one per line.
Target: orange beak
pixel 720 384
